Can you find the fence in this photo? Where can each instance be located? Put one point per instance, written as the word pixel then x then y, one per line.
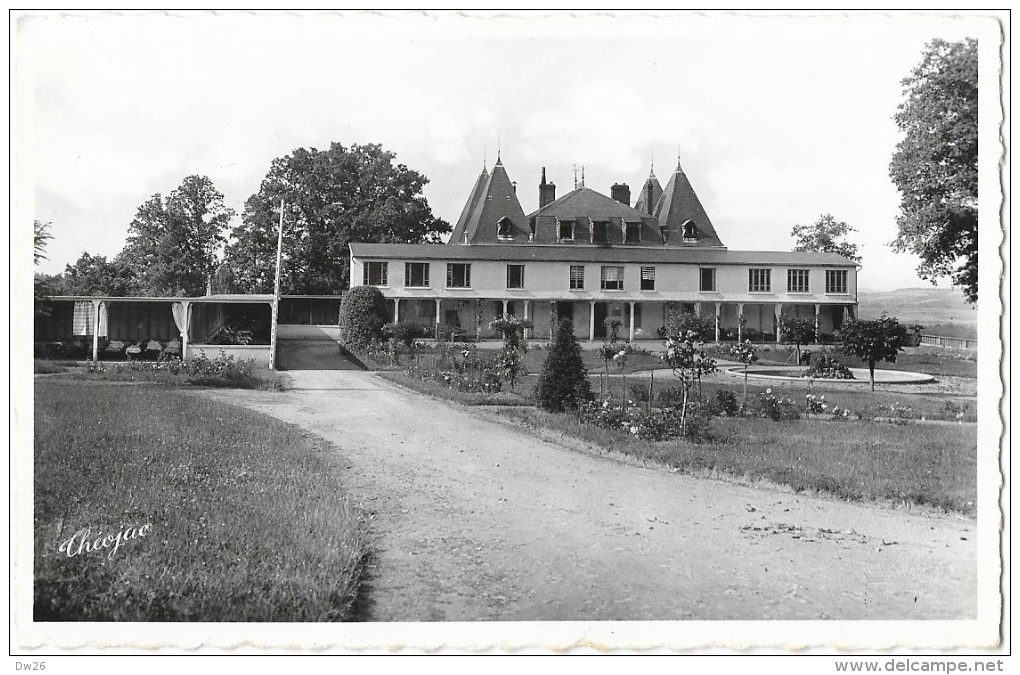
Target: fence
pixel 950 342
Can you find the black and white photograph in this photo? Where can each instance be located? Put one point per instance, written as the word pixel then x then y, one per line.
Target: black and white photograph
pixel 510 332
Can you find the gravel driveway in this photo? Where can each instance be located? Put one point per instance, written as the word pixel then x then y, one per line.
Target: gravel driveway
pixel 478 520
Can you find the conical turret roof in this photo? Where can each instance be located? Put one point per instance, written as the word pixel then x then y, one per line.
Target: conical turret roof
pixel 649 196
pixel 493 201
pixel 678 205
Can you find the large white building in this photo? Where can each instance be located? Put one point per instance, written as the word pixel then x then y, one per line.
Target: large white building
pixel 589 258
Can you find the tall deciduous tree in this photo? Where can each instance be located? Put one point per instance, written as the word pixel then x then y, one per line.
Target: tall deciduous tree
pixel 825 235
pixel 332 198
pixel 95 275
pixel 878 340
pixel 935 166
pixel 41 288
pixel 173 241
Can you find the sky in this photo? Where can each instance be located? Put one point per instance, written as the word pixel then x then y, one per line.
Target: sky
pixel 775 119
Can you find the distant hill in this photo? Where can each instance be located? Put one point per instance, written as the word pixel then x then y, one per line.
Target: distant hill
pixel 925 306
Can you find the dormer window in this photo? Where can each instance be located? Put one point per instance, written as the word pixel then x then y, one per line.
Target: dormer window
pixel 600 232
pixel 504 229
pixel 690 232
pixel 633 233
pixel 565 230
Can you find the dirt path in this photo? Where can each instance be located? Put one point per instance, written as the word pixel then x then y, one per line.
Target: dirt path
pixel 477 520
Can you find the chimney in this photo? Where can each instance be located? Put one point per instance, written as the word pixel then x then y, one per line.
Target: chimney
pixel 621 193
pixel 546 191
pixel 514 184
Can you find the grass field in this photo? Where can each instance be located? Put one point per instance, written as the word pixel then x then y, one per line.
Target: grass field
pixel 914 463
pixel 245 517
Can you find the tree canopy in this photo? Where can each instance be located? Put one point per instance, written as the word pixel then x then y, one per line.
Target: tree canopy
pixel 332 198
pixel 935 165
pixel 172 241
pixel 873 341
pixel 95 275
pixel 825 235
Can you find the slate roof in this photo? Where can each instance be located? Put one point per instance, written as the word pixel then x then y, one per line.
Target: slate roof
pixel 584 201
pixel 649 196
pixel 592 254
pixel 492 200
pixel 679 204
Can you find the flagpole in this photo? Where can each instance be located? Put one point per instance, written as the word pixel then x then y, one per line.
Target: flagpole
pixel 276 290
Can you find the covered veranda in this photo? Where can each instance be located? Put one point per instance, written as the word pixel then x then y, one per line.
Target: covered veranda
pixel 128 328
pixel 638 320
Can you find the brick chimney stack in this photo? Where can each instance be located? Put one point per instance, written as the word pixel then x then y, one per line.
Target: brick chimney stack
pixel 621 193
pixel 546 191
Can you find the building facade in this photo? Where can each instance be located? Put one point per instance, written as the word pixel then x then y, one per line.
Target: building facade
pixel 594 258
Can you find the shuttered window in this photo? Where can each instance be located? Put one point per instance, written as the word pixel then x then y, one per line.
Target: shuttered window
pixel 647 278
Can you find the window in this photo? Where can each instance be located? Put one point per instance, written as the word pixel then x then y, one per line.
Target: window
pixel 759 281
pixel 458 275
pixel 647 278
pixel 576 277
pixel 515 276
pixel 416 275
pixel 375 273
pixel 633 235
pixel 504 229
pixel 707 275
pixel 690 232
pixel 797 281
pixel 566 230
pixel 600 232
pixel 835 281
pixel 612 278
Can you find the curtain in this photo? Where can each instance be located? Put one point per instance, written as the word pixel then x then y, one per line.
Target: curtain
pixel 104 319
pixel 83 317
pixel 181 318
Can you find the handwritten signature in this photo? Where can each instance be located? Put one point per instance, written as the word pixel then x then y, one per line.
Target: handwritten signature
pixel 83 540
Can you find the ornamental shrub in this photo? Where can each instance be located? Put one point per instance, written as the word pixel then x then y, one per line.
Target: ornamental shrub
pixel 405 332
pixel 363 313
pixel 827 368
pixel 563 384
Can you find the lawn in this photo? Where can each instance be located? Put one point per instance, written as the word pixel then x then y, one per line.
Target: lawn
pixel 223 514
pixel 859 460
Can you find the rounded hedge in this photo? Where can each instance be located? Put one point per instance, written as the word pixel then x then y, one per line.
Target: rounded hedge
pixel 363 313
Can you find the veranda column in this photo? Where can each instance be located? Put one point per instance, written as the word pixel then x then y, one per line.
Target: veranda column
pixel 95 330
pixel 718 319
pixel 439 302
pixel 779 314
pixel 396 310
pixel 697 309
pixel 187 330
pixel 632 305
pixel 818 313
pixel 506 307
pixel 527 316
pixel 740 322
pixel 591 322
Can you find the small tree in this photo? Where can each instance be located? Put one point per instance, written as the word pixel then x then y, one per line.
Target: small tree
pixel 511 360
pixel 685 354
pixel 679 323
pixel 363 313
pixel 563 384
pixel 747 354
pixel 873 341
pixel 796 330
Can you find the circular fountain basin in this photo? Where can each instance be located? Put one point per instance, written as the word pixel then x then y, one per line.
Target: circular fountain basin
pixel 789 374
